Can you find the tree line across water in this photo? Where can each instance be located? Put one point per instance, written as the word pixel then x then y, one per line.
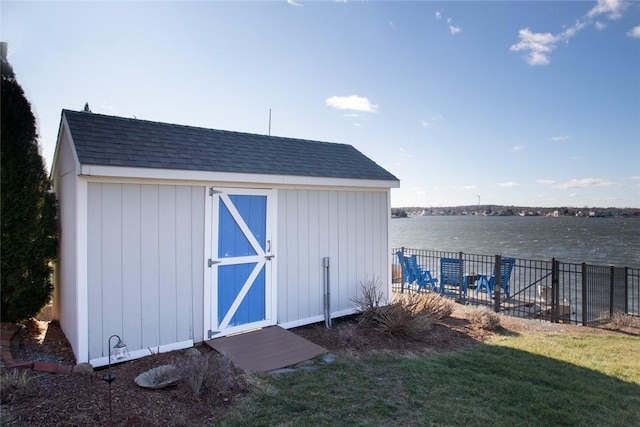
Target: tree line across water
pixel 499 210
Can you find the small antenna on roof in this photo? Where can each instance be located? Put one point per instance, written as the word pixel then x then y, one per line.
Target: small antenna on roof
pixel 86 108
pixel 269 121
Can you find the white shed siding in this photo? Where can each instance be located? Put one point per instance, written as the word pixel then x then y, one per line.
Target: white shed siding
pixel 65 286
pixel 349 226
pixel 145 264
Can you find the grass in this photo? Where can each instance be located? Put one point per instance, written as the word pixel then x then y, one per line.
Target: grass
pixel 535 379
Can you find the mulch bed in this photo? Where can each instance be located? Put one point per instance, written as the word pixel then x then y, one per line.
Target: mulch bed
pixel 83 399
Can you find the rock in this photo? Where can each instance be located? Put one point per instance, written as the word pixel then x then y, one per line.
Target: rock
pixel 82 369
pixel 328 358
pixel 305 363
pixel 282 371
pixel 192 352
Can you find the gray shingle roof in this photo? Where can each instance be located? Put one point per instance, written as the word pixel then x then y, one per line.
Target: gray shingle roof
pixel 116 141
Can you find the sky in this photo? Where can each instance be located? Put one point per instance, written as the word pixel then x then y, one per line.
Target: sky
pixel 465 102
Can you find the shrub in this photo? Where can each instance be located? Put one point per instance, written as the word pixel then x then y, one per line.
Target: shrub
pixel 370 300
pixel 14 384
pixel 436 305
pixel 28 211
pixel 621 320
pixel 402 318
pixel 206 374
pixel 483 318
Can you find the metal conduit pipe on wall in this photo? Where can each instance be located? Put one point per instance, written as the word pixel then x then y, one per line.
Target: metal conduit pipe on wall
pixel 327 293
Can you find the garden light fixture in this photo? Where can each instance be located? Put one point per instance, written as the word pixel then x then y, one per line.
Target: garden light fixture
pixel 118 352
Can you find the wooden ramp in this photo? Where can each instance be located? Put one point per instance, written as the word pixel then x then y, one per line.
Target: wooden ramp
pixel 266 349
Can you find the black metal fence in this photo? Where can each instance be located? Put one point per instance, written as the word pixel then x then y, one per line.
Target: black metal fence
pixel 547 290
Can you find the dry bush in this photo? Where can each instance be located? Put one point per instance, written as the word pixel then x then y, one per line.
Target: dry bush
pixel 397 319
pixel 436 305
pixel 483 318
pixel 407 316
pixel 206 374
pixel 621 320
pixel 14 384
pixel 370 300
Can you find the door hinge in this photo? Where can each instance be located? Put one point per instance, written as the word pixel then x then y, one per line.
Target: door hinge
pixel 213 191
pixel 213 262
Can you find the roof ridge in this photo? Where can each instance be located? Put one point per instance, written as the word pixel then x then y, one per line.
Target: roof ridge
pixel 202 128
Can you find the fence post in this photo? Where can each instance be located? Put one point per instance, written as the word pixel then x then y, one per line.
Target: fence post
pixel 461 295
pixel 626 290
pixel 585 295
pixel 555 288
pixel 496 285
pixel 403 273
pixel 612 279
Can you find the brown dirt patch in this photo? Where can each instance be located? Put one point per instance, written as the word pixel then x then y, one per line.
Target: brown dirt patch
pixel 56 399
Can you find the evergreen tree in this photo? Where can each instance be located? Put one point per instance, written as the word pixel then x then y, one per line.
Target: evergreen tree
pixel 28 211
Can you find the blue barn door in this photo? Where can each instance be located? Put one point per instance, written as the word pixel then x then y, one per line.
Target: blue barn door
pixel 241 263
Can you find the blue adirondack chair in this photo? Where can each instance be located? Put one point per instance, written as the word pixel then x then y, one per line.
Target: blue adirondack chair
pixel 423 277
pixel 451 272
pixel 488 285
pixel 407 272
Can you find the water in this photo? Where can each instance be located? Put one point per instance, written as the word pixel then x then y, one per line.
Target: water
pixel 600 241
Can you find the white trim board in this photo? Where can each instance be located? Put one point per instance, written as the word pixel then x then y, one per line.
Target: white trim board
pixel 137 354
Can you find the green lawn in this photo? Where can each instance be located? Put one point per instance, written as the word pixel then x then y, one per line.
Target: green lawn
pixel 527 380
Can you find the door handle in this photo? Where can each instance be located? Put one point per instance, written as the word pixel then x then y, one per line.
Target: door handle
pixel 269 256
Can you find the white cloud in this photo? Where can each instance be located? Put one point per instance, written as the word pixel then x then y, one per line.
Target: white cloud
pixel 560 138
pixel 469 187
pixel 425 124
pixel 538 46
pixel 452 28
pixel 637 177
pixel 352 103
pixel 584 182
pixel 357 125
pixel 600 25
pixel 294 3
pixel 518 148
pixel 634 32
pixel 545 181
pixel 509 184
pixel 392 25
pixel 611 8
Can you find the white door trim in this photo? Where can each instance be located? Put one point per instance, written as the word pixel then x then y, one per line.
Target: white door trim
pixel 210 313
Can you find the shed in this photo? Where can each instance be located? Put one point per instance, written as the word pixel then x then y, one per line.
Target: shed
pixel 173 235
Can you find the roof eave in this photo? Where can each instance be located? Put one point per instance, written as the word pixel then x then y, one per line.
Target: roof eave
pixel 137 173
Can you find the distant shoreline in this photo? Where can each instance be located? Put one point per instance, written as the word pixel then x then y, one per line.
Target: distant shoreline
pixel 523 211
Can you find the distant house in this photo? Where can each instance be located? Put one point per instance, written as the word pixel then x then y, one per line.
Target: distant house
pixel 172 235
